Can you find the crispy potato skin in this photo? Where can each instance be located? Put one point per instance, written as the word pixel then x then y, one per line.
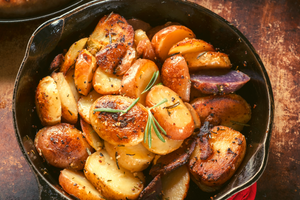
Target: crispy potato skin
pixel 228 108
pixel 175 75
pixel 127 61
pixel 62 146
pixel 47 101
pixel 127 129
pixel 228 149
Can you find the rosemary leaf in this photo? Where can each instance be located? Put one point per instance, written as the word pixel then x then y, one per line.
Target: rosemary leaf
pixel 201 54
pixel 173 106
pixel 161 129
pixel 111 110
pixel 159 103
pixel 157 132
pixel 149 131
pixel 151 82
pixel 133 103
pixel 146 129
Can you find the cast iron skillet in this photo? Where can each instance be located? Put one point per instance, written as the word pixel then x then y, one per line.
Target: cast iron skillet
pixel 59 33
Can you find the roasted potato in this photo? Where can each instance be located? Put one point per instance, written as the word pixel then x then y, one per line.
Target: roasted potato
pixel 231 109
pixel 47 102
pixel 62 146
pixel 175 75
pixel 84 104
pixel 126 62
pixel 57 62
pixel 68 103
pixel 217 157
pixel 143 45
pixel 91 136
pixel 175 185
pixel 70 79
pixel 154 30
pixel 219 81
pixel 136 79
pixel 72 54
pixel 116 128
pixel 173 116
pixel 134 158
pixel 164 39
pixel 75 183
pixel 112 180
pixel 85 67
pixel 139 24
pixel 105 83
pixel 194 114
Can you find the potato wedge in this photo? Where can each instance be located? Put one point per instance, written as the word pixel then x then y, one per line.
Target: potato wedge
pixel 173 116
pixel 84 104
pixel 70 79
pixel 143 45
pixel 232 109
pixel 126 129
pixel 129 58
pixel 62 146
pixel 75 183
pixel 194 114
pixel 207 60
pixel 163 40
pixel 112 180
pixel 68 103
pixel 175 185
pixel 57 62
pixel 91 136
pixel 226 148
pixel 134 158
pixel 175 75
pixel 105 83
pixel 47 102
pixel 154 30
pixel 72 54
pixel 136 79
pixel 139 24
pixel 190 45
pixel 85 67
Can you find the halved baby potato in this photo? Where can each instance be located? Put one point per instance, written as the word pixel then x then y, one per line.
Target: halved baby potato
pixel 116 128
pixel 47 102
pixel 84 104
pixel 72 54
pixel 76 184
pixel 112 180
pixel 126 61
pixel 163 40
pixel 70 79
pixel 68 103
pixel 91 136
pixel 175 75
pixel 62 146
pixel 85 67
pixel 173 116
pixel 133 158
pixel 216 158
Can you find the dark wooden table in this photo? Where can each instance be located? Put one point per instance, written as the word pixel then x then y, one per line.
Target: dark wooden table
pixel 272 26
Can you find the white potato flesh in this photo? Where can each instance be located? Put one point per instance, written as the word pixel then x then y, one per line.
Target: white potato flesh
pixel 91 136
pixel 68 102
pixel 70 79
pixel 175 185
pixel 105 83
pixel 75 183
pixel 112 180
pixel 134 158
pixel 139 35
pixel 84 104
pixel 47 101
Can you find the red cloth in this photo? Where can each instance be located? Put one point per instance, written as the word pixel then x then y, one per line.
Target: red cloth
pixel 247 194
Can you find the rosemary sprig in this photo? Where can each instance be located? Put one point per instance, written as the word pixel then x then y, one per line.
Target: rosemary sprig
pixel 151 82
pixel 201 54
pixel 117 110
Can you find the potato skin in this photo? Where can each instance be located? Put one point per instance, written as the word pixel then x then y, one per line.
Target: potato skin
pixel 127 61
pixel 126 129
pixel 175 75
pixel 62 146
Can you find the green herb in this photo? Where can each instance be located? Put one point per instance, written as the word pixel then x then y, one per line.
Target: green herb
pixel 239 123
pixel 201 54
pixel 159 84
pixel 173 106
pixel 152 81
pixel 117 110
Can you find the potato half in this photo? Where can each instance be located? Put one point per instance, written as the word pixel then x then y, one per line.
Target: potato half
pixel 84 104
pixel 47 102
pixel 91 136
pixel 75 183
pixel 126 129
pixel 173 116
pixel 112 180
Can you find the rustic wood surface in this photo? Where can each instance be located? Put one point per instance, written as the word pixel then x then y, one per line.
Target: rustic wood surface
pixel 272 26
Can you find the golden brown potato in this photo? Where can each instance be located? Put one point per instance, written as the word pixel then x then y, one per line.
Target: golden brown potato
pixel 231 109
pixel 163 40
pixel 136 79
pixel 112 180
pixel 75 183
pixel 72 54
pixel 105 83
pixel 154 30
pixel 139 35
pixel 175 75
pixel 216 158
pixel 190 45
pixel 139 24
pixel 127 61
pixel 47 102
pixel 91 136
pixel 173 116
pixel 70 79
pixel 143 45
pixel 194 114
pixel 62 146
pixel 175 185
pixel 134 158
pixel 207 60
pixel 84 104
pixel 126 129
pixel 84 71
pixel 68 103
